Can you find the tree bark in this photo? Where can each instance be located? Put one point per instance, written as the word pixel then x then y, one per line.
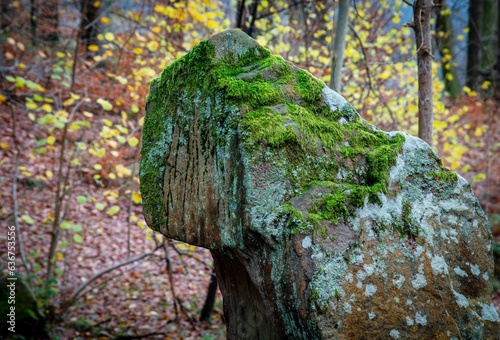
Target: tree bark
pixel 208 306
pixel 48 24
pixel 474 44
pixel 497 65
pixel 488 38
pixel 242 301
pixel 240 15
pixel 339 44
pixel 445 43
pixel 89 14
pixel 422 10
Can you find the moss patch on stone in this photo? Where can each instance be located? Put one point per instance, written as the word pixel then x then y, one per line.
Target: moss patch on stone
pixel 277 109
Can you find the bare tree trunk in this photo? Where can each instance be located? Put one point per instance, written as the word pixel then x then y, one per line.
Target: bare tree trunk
pixel 88 24
pixel 339 44
pixel 422 10
pixel 489 39
pixel 474 44
pixel 446 46
pixel 497 65
pixel 48 24
pixel 240 17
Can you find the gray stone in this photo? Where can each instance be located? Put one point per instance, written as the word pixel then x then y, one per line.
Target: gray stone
pixel 321 226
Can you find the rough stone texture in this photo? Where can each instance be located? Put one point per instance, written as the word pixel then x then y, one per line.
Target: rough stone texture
pixel 321 226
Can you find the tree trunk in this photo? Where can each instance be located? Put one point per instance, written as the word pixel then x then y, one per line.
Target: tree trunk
pixel 339 44
pixel 497 65
pixel 488 38
pixel 48 24
pixel 422 10
pixel 88 25
pixel 474 44
pixel 446 46
pixel 242 301
pixel 208 306
pixel 240 17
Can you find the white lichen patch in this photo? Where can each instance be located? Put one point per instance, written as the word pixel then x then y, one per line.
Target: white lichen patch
pixel 306 242
pixel 369 268
pixel 421 319
pixel 409 321
pixel 460 272
pixel 347 308
pixel 370 289
pixel 394 334
pixel 489 313
pixel 486 276
pixel 398 280
pixel 474 268
pixel 418 281
pixel 462 301
pixel 372 315
pixel 349 277
pixel 438 265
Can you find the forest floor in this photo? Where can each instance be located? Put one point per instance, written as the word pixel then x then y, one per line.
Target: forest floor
pixel 136 300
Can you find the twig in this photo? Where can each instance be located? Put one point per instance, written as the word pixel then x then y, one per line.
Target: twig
pixel 171 279
pixel 129 209
pixel 14 194
pixel 97 275
pixel 60 193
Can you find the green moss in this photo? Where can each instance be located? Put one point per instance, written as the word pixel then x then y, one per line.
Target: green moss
pixel 296 222
pixel 310 88
pixel 277 109
pixel 406 227
pixel 444 175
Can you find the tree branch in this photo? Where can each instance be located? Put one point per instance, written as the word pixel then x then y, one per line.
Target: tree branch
pixel 97 275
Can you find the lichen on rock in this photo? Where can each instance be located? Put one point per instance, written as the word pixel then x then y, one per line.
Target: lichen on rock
pixel 319 217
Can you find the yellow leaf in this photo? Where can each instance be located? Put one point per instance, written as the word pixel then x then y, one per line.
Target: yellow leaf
pixel 212 24
pixel 485 85
pixel 93 48
pixel 146 71
pixel 153 46
pixel 97 4
pixel 449 76
pixel 104 20
pixel 396 20
pixel 133 141
pixel 47 108
pixel 106 105
pixel 460 37
pixel 49 174
pixel 59 256
pixel 31 105
pixel 159 8
pixel 156 29
pixel 109 36
pixel 136 197
pixel 122 171
pixel 137 50
pixel 121 80
pixel 51 140
pixel 4 145
pixel 68 102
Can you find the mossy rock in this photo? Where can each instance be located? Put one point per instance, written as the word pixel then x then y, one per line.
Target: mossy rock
pixel 321 225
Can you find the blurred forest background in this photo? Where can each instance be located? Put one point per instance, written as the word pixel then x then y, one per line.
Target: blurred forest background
pixel 74 76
